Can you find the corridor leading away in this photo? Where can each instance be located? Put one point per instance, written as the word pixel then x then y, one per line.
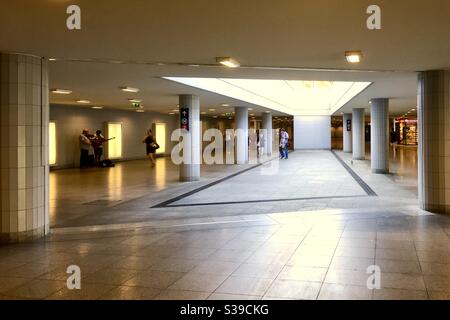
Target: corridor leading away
pixel 290 249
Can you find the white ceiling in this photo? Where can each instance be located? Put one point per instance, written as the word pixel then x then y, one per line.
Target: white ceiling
pixel 258 33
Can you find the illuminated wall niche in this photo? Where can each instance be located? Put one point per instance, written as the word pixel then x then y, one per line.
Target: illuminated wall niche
pixel 52 143
pixel 114 146
pixel 159 130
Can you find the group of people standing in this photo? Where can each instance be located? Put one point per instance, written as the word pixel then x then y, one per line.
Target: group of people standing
pixel 284 143
pixel 91 143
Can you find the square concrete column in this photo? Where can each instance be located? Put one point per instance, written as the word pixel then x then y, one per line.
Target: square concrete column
pixel 434 140
pixel 268 134
pixel 241 135
pixel 190 113
pixel 24 174
pixel 358 134
pixel 347 132
pixel 379 135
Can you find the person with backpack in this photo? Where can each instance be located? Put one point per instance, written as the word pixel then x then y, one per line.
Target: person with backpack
pixel 151 146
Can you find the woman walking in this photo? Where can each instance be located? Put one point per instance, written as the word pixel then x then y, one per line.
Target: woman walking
pixel 151 145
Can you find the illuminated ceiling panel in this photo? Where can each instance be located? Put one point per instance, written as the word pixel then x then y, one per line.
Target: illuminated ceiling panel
pixel 294 97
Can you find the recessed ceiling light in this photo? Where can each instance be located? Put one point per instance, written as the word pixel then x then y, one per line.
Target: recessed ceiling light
pixel 172 113
pixel 140 111
pixel 135 100
pixel 225 105
pixel 215 117
pixel 228 62
pixel 83 101
pixel 203 112
pixel 129 89
pixel 51 59
pixel 267 111
pixel 212 110
pixel 353 56
pixel 97 107
pixel 250 109
pixel 251 114
pixel 61 91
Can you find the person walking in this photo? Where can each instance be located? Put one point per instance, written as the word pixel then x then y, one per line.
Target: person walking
pixel 85 145
pixel 151 146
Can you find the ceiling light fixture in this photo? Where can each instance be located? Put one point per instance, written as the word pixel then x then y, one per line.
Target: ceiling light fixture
pixel 353 56
pixel 212 110
pixel 135 100
pixel 61 91
pixel 140 111
pixel 225 105
pixel 97 107
pixel 129 89
pixel 51 59
pixel 228 62
pixel 83 101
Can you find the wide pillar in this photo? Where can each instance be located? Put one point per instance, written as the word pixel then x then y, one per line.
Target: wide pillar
pixel 190 120
pixel 434 140
pixel 379 135
pixel 24 174
pixel 347 132
pixel 267 126
pixel 241 135
pixel 358 134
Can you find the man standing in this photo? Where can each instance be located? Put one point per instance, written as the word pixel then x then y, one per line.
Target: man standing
pixel 284 140
pixel 85 145
pixel 97 142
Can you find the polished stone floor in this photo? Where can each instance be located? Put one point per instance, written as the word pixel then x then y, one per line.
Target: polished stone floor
pixel 292 243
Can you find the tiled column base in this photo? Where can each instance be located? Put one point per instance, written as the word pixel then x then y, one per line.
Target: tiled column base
pixel 358 134
pixel 434 140
pixel 379 142
pixel 24 171
pixel 25 236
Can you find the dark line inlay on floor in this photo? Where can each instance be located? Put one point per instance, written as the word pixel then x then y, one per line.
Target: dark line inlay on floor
pixel 168 203
pixel 355 176
pixel 259 201
pixel 209 185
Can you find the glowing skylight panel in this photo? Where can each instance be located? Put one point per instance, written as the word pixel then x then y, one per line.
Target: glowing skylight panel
pixel 295 97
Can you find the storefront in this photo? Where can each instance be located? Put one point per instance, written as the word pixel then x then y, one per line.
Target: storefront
pixel 407 131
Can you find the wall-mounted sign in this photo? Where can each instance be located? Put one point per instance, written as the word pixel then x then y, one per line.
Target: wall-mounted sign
pixel 184 118
pixel 349 125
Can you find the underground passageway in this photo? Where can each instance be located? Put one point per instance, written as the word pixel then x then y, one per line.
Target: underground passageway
pixel 309 180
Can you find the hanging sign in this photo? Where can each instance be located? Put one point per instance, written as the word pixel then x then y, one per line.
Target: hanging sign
pixel 184 118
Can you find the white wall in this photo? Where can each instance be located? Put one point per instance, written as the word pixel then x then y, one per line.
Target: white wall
pixel 312 132
pixel 70 121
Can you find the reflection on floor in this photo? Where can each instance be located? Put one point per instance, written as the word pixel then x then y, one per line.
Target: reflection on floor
pixel 307 181
pixel 298 249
